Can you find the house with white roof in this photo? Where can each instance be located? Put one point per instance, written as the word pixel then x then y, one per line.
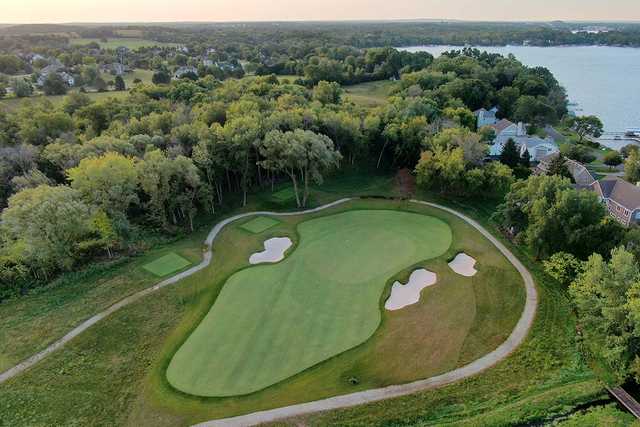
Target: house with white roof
pixel 486 117
pixel 538 148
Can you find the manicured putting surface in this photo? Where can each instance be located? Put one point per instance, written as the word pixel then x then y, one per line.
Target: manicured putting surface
pixel 166 265
pixel 271 322
pixel 259 224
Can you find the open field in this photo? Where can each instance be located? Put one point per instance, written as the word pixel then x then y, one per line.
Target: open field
pixel 131 43
pixel 319 302
pixel 370 94
pixel 98 380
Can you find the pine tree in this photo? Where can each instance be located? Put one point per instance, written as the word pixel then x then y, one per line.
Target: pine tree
pixel 510 155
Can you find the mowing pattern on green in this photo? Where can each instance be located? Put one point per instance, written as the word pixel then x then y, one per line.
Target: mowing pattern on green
pixel 166 265
pixel 259 224
pixel 272 322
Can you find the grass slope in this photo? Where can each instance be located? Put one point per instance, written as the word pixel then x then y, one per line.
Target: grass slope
pixel 271 322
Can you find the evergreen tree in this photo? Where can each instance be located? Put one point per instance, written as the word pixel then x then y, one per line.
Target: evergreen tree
pixel 119 84
pixel 510 155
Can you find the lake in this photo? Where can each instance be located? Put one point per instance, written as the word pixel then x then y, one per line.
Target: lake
pixel 603 81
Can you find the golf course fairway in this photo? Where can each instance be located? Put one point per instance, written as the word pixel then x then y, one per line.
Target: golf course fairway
pixel 271 322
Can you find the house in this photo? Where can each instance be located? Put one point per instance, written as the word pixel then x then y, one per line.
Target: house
pixel 581 175
pixel 538 148
pixel 621 198
pixel 504 130
pixel 208 62
pixel 486 117
pixel 55 68
pixel 184 70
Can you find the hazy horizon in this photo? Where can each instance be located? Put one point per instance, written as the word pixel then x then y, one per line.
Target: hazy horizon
pixel 203 11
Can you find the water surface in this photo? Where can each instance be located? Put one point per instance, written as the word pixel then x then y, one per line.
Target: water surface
pixel 604 81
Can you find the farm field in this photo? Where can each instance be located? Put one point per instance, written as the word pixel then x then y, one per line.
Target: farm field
pixel 113 43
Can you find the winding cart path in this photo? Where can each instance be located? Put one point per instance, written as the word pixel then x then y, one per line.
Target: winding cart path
pixel 517 336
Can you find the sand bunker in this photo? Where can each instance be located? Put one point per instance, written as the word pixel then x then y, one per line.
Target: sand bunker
pixel 463 264
pixel 274 250
pixel 409 294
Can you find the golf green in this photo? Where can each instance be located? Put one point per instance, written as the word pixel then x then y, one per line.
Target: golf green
pixel 271 322
pixel 166 265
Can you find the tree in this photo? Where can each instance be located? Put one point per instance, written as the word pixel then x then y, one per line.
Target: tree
pixel 171 187
pixel 327 93
pixel 54 85
pixel 588 126
pixel 510 155
pixel 563 267
pixel 162 76
pixel 303 155
pixel 551 216
pixel 21 88
pixel 612 159
pixel 632 167
pixel 119 84
pixel 44 225
pixel 607 299
pixel 441 169
pixel 536 111
pixel 558 166
pixel 628 149
pixel 474 150
pixel 75 101
pixel 109 182
pixel 461 116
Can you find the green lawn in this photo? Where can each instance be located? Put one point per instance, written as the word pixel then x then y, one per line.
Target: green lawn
pixel 129 42
pixel 370 94
pixel 271 322
pixel 166 265
pixel 259 224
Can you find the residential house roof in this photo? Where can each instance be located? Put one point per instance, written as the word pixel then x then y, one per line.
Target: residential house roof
pixel 502 125
pixel 620 191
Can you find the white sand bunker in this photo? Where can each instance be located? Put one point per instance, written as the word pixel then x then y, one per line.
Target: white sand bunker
pixel 409 294
pixel 274 250
pixel 463 264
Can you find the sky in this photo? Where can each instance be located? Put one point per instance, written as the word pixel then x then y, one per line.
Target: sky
pixel 61 11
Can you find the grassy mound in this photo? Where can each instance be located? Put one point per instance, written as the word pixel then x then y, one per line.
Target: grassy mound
pixel 271 322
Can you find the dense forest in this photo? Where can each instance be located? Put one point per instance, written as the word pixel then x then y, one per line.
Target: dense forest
pixel 85 178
